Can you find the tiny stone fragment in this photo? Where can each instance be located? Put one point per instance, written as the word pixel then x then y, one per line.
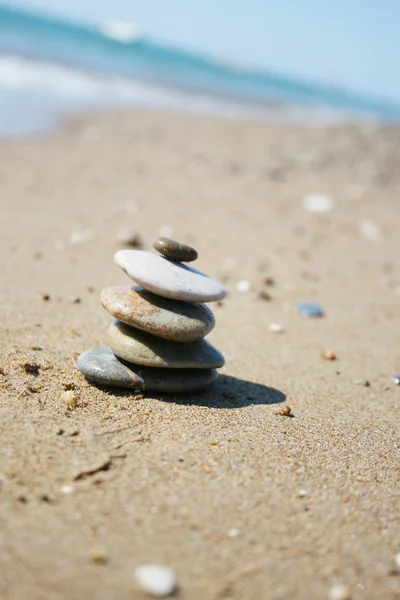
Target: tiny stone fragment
pixel 264 295
pixel 243 286
pixel 396 379
pixel 233 533
pixel 276 328
pixel 328 355
pixel 31 368
pixel 157 581
pixel 98 555
pixel 69 399
pixel 363 382
pixel 283 411
pixel 130 238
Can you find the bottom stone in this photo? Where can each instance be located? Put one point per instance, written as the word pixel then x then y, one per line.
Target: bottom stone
pixel 101 366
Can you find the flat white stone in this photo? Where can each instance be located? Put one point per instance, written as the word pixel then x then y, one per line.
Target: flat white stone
pixel 167 278
pixel 159 582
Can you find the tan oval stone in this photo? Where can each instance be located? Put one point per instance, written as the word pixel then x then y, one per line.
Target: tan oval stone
pixel 144 349
pixel 162 317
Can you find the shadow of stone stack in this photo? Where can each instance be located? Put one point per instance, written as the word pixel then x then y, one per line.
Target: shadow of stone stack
pixel 156 342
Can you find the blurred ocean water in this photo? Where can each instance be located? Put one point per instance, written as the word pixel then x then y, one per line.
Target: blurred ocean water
pixel 51 67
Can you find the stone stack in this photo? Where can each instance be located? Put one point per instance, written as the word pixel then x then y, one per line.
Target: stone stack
pixel 156 342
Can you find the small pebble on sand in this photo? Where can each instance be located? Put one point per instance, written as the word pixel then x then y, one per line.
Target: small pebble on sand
pixel 339 592
pixel 396 379
pixel 276 328
pixel 397 561
pixel 318 203
pixel 264 295
pixel 303 493
pixel 283 411
pixel 129 238
pixel 69 399
pixel 159 582
pixel 269 281
pixel 98 555
pixel 243 286
pixel 309 309
pixel 328 355
pixel 363 382
pixel 67 489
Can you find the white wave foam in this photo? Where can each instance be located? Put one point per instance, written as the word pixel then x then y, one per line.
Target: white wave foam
pixel 34 94
pixel 21 73
pixel 121 31
pixel 70 87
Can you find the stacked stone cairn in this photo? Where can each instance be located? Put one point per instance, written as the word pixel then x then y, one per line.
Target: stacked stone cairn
pixel 156 342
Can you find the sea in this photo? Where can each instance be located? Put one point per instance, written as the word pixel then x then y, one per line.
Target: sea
pixel 51 67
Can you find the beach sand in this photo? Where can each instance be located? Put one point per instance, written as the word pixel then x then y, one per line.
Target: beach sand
pixel 240 502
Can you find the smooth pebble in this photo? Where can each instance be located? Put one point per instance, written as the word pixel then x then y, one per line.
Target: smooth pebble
pixel 162 317
pixel 100 365
pixel 168 381
pixel 309 309
pixel 167 278
pixel 175 250
pixel 396 379
pixel 158 581
pixel 147 350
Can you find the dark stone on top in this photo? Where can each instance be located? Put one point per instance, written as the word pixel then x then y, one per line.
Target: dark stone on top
pixel 175 250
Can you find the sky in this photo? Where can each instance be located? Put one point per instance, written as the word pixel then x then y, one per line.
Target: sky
pixel 353 44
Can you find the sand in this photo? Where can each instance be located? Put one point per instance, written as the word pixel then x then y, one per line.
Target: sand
pixel 241 502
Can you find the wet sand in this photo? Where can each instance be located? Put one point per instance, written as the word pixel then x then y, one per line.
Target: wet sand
pixel 241 502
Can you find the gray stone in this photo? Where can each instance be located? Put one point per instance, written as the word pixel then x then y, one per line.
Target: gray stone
pixel 162 317
pixel 309 309
pixel 101 366
pixel 167 278
pixel 175 250
pixel 144 349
